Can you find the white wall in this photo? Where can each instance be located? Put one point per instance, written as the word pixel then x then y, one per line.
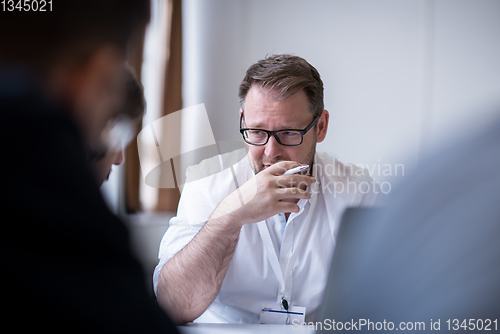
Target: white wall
pixel 467 65
pixel 399 76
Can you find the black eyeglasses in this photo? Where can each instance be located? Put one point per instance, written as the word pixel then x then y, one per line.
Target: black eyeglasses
pixel 286 137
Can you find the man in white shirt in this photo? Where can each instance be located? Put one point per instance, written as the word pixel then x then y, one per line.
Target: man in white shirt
pixel 248 239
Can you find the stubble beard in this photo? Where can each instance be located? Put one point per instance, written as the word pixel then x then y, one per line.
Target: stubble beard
pixel 259 166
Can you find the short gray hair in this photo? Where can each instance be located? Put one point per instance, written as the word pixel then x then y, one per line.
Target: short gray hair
pixel 285 75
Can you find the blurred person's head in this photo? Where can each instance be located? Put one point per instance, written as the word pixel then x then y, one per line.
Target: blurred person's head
pixel 282 92
pixel 75 52
pixel 129 115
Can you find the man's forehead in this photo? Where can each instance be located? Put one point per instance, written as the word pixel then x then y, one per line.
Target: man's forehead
pixel 262 108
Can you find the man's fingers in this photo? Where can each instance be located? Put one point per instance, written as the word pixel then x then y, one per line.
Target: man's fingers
pixel 295 193
pixel 280 167
pixel 288 207
pixel 295 180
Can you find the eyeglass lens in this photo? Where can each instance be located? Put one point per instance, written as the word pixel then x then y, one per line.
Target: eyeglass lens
pixel 284 137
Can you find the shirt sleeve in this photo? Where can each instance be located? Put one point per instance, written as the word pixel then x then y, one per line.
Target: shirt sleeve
pixel 184 227
pixel 198 201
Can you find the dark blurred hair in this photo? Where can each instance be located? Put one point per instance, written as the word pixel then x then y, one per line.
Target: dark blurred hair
pixel 71 31
pixel 134 104
pixel 285 75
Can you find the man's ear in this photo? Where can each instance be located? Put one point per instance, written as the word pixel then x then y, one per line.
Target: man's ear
pixel 322 126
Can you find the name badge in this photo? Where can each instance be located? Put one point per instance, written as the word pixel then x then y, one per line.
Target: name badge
pixel 276 315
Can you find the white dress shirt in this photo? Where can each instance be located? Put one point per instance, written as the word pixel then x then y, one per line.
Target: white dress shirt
pixel 274 258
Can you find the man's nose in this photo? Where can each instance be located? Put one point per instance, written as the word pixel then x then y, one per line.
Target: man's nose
pixel 273 148
pixel 118 158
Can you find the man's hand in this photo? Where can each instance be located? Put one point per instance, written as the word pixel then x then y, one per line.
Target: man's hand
pixel 190 281
pixel 266 194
